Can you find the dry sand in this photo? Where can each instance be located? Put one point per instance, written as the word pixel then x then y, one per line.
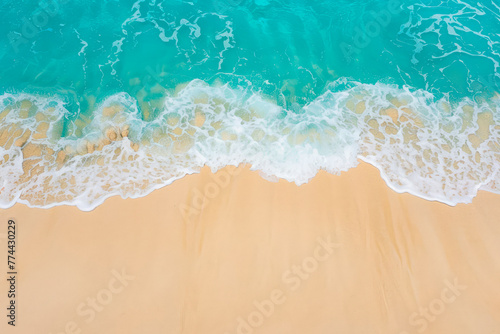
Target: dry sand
pixel 341 254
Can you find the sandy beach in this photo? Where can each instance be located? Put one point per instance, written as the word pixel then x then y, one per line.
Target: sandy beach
pixel 234 253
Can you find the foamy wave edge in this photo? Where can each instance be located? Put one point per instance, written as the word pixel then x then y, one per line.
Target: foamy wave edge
pixel 426 146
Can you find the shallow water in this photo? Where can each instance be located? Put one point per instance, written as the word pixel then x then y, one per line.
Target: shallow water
pixel 100 98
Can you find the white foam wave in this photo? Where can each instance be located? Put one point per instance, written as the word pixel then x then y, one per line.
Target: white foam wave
pixel 422 145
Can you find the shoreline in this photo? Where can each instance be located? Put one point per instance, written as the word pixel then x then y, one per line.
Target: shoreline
pixel 433 150
pixel 247 167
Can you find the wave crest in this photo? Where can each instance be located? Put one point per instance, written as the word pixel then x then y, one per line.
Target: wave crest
pixel 426 146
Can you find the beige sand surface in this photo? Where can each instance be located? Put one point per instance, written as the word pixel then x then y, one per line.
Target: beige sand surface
pixel 341 254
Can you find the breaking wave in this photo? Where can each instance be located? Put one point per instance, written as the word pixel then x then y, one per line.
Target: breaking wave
pixel 431 147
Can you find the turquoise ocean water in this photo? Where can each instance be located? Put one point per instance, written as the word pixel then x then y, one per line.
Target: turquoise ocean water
pixel 99 98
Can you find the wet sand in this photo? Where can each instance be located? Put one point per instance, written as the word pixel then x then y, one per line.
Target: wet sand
pixel 234 253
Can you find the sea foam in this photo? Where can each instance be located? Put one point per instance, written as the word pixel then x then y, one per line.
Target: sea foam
pixel 424 145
